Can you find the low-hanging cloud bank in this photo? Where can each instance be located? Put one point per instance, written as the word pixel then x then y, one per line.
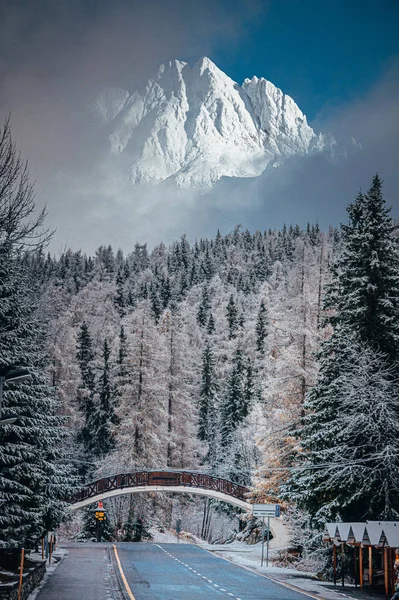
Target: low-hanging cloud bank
pixel 54 57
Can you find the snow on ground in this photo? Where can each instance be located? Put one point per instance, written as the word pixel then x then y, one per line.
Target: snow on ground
pixel 249 557
pixel 168 536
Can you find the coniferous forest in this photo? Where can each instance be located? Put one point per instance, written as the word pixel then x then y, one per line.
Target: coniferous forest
pixel 269 358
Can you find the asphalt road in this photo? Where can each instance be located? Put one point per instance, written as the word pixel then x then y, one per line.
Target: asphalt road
pixel 186 572
pixel 84 574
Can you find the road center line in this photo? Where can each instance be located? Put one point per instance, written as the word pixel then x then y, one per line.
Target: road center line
pixel 196 572
pixel 127 587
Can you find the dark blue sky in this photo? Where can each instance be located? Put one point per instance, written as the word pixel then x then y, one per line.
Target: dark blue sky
pixel 324 54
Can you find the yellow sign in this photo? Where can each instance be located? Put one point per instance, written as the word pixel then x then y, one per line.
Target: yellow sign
pixel 100 515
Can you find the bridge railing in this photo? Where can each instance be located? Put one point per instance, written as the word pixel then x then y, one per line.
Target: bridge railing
pixel 161 478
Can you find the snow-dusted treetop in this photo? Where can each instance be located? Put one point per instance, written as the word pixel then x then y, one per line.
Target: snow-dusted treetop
pixel 195 125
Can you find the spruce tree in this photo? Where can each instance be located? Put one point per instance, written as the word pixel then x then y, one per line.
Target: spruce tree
pixel 102 440
pixel 122 352
pixel 232 317
pixel 234 408
pixel 249 390
pixel 120 299
pixel 207 397
pixel 261 328
pixel 33 482
pixel 204 307
pixel 91 527
pixel 210 328
pixel 86 389
pixel 350 430
pixel 156 304
pixel 165 291
pixel 366 285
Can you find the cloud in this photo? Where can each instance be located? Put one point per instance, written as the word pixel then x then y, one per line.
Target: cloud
pixel 315 189
pixel 56 56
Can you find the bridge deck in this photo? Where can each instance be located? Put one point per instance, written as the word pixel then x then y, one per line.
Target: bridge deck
pixel 163 481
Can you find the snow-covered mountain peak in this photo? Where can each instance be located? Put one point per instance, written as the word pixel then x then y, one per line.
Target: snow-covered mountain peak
pixel 172 65
pixel 194 125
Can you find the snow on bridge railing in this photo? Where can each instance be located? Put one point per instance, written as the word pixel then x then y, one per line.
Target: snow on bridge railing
pixel 150 478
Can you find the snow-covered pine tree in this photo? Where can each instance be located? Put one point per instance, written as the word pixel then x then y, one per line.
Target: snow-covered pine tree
pixel 122 351
pixel 33 482
pixel 86 389
pixel 210 328
pixel 261 328
pixel 232 317
pixel 234 407
pixel 349 435
pixel 120 295
pixel 207 413
pixel 204 307
pixel 92 529
pixel 104 417
pixel 365 291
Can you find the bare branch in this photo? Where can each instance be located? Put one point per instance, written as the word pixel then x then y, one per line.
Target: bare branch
pixel 19 227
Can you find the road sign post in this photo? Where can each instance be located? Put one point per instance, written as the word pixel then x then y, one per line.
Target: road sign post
pixel 178 529
pixel 263 541
pixel 265 510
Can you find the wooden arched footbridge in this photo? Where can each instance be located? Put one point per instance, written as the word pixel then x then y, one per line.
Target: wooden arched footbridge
pixel 162 481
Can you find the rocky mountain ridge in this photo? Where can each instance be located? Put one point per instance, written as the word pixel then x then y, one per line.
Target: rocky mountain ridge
pixel 194 125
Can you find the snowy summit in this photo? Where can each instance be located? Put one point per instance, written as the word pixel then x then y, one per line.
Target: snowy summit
pixel 194 125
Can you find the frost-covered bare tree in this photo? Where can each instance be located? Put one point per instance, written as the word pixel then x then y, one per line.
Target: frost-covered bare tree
pixel 18 224
pixel 142 434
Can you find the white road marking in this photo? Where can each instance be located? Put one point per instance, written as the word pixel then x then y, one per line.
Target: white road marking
pixel 196 572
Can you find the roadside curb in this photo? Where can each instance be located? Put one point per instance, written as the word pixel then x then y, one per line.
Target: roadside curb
pixel 298 589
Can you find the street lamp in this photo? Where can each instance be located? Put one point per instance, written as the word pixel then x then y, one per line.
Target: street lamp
pixel 16 376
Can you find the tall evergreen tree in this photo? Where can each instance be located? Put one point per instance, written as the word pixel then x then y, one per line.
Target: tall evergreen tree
pixel 207 398
pixel 249 389
pixel 123 351
pixel 120 299
pixel 33 482
pixel 261 328
pixel 156 304
pixel 232 317
pixel 102 440
pixel 366 278
pixel 234 408
pixel 346 477
pixel 86 389
pixel 204 307
pixel 210 328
